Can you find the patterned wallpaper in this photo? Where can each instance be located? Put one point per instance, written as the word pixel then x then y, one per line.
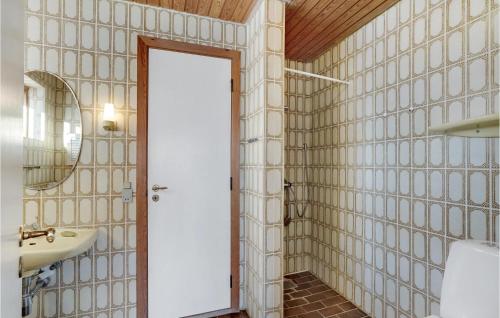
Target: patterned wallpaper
pixel 390 198
pixel 92 45
pixel 264 135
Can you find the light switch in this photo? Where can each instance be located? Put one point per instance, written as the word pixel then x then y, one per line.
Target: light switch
pixel 127 192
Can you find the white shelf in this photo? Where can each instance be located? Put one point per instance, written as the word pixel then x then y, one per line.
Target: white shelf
pixel 484 126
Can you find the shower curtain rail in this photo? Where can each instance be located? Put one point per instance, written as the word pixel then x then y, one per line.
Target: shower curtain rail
pixel 317 76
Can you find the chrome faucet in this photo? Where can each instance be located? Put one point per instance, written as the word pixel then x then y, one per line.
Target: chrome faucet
pixel 50 234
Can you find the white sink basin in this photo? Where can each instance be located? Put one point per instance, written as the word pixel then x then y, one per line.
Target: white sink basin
pixel 37 252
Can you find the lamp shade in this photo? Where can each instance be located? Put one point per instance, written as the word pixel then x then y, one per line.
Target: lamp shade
pixel 108 117
pixel 109 112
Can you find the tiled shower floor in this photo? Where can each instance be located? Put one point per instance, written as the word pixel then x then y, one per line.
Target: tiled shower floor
pixel 307 297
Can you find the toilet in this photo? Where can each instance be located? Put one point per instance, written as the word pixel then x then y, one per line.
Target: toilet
pixel 471 281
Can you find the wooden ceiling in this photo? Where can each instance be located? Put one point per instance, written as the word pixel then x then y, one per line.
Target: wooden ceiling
pixel 312 26
pixel 231 10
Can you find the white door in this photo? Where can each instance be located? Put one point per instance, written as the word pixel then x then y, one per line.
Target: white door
pixel 11 143
pixel 189 143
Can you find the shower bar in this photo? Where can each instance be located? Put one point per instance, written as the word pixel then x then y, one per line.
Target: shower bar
pixel 331 79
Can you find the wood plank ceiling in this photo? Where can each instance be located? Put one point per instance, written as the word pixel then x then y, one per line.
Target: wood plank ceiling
pixel 230 10
pixel 312 26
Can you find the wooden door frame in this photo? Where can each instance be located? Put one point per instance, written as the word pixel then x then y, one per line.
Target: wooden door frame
pixel 144 44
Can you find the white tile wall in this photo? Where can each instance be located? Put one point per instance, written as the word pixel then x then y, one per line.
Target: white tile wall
pixel 298 121
pixel 264 151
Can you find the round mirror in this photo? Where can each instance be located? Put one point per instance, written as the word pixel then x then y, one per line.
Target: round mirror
pixel 52 130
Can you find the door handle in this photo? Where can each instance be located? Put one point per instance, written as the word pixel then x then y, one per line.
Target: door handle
pixel 157 188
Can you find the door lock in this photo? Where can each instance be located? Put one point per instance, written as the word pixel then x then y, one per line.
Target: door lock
pixel 157 188
pixel 155 197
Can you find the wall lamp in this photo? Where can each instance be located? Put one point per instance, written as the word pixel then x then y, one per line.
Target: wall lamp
pixel 108 117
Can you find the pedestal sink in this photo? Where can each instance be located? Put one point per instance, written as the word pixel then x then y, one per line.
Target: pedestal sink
pixel 37 252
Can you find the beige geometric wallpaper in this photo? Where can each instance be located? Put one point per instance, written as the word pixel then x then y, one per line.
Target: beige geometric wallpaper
pixel 92 45
pixel 389 197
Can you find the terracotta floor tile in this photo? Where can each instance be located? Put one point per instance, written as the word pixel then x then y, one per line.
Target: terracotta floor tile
pixel 312 314
pixel 296 275
pixel 294 311
pixel 317 289
pixel 347 306
pixel 300 293
pixel 315 297
pixel 303 286
pixel 312 307
pixel 295 302
pixel 304 279
pixel 330 311
pixel 329 293
pixel 335 300
pixel 316 282
pixel 320 296
pixel 356 313
pixel 308 297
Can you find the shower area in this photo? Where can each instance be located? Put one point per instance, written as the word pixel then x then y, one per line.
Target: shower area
pixel 308 172
pixel 313 239
pixel 373 196
pixel 298 170
pixel 323 260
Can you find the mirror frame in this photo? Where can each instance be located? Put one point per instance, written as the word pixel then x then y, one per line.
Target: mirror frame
pixel 59 182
